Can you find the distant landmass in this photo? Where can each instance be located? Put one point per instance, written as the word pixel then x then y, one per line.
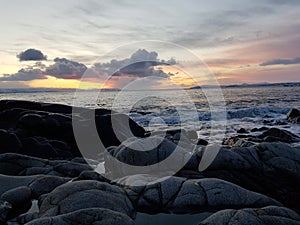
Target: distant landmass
pixel 33 90
pixel 286 84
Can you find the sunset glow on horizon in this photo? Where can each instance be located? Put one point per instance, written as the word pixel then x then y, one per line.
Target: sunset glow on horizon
pixel 239 42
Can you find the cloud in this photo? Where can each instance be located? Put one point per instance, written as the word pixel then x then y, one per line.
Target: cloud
pixel 281 62
pixel 140 64
pixel 62 68
pixel 24 75
pixel 66 69
pixel 31 55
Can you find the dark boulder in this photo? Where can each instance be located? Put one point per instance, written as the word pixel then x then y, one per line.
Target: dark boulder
pixel 30 121
pixel 294 116
pixel 272 169
pixel 258 216
pixel 259 129
pixel 124 129
pixel 9 142
pixel 33 146
pixel 78 195
pixel 202 142
pixel 99 216
pixel 181 196
pixel 5 209
pixel 242 131
pixel 146 153
pixel 19 198
pixel 280 135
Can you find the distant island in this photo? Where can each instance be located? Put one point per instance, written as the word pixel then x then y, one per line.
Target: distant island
pixel 33 90
pixel 265 84
pixel 287 84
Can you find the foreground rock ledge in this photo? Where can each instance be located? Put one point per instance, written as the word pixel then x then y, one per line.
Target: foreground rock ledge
pixel 253 182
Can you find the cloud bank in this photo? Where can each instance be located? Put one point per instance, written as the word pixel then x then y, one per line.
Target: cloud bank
pixel 31 55
pixel 281 62
pixel 24 75
pixel 66 69
pixel 140 64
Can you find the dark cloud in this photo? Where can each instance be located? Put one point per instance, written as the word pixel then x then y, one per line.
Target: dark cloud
pixel 24 75
pixel 66 69
pixel 32 55
pixel 281 62
pixel 62 68
pixel 140 64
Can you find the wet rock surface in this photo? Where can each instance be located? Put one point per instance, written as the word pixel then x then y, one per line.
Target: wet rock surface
pixel 254 178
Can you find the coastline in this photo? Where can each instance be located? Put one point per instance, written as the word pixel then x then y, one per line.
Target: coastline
pixel 255 173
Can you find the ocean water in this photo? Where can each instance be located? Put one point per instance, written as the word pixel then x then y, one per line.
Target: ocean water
pixel 243 107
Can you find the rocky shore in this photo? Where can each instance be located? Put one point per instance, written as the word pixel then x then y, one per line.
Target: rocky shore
pixel 254 179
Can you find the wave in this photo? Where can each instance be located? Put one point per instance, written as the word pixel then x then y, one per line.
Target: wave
pixel 172 118
pixel 256 112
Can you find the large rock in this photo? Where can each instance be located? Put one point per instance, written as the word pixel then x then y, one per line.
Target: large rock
pixel 279 135
pixel 45 184
pixel 264 216
pixel 78 195
pixel 41 148
pixel 20 185
pixel 113 136
pixel 99 216
pixel 179 195
pixel 144 155
pixel 5 209
pixel 20 200
pixel 55 121
pixel 16 193
pixel 30 121
pixel 9 142
pixel 12 182
pixel 294 116
pixel 272 169
pixel 20 165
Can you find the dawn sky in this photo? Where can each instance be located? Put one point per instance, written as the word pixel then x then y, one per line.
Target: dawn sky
pixel 51 43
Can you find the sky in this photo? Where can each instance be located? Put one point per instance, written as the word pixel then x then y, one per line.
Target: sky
pixel 51 44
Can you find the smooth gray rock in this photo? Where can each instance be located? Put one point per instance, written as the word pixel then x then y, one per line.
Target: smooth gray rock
pixel 272 169
pixel 20 200
pixel 146 153
pixel 99 216
pixel 264 216
pixel 46 184
pixel 19 191
pixel 17 164
pixel 179 195
pixel 12 182
pixel 16 188
pixel 78 195
pixel 18 197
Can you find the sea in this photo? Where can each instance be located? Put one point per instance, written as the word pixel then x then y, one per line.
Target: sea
pixel 243 107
